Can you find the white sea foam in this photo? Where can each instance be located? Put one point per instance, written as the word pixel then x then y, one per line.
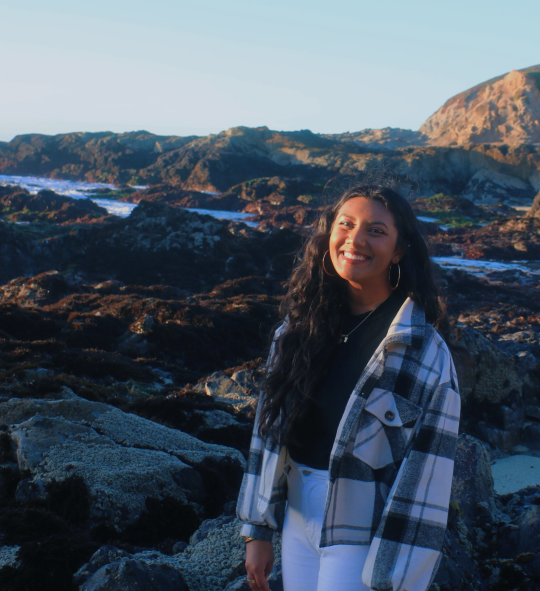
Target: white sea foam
pixel 478 267
pixel 74 189
pixel 425 218
pixel 34 184
pixel 235 216
pixel 120 208
pixel 80 190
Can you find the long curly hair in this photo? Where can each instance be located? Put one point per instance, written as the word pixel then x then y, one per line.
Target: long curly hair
pixel 315 304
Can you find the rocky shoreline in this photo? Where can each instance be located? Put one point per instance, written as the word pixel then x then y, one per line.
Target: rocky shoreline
pixel 131 353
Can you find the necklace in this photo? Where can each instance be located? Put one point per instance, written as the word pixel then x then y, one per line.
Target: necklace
pixel 344 337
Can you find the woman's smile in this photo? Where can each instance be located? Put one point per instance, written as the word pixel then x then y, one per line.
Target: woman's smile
pixel 353 258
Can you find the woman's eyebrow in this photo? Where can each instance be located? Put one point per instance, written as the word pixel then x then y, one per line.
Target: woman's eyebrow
pixel 346 215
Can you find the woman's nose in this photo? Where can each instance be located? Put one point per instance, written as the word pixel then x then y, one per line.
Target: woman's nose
pixel 356 236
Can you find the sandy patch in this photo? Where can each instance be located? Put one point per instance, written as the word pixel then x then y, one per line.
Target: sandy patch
pixel 515 472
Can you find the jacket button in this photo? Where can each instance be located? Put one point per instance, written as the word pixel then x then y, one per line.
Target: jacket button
pixel 389 415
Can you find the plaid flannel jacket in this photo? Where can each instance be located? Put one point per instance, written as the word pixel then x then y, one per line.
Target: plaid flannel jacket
pixel 391 464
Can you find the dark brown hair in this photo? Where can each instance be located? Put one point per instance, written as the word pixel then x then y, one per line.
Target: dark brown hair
pixel 315 303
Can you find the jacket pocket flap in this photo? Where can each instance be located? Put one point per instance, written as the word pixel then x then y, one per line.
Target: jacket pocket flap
pixel 408 411
pixel 392 409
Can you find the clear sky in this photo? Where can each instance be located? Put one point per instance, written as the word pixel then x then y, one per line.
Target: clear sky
pixel 193 67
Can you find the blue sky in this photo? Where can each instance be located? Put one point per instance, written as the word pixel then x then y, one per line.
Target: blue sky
pixel 188 67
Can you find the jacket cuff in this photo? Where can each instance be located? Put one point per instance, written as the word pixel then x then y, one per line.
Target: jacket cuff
pixel 260 532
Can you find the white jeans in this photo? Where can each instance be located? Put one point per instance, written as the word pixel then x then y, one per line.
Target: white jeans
pixel 306 567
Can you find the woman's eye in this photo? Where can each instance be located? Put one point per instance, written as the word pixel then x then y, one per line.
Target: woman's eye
pixel 345 224
pixel 378 230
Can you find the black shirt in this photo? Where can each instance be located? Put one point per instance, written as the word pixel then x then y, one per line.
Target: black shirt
pixel 315 432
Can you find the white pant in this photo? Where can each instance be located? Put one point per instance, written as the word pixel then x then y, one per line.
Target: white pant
pixel 306 567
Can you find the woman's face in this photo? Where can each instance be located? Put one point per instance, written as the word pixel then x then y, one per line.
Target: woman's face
pixel 363 243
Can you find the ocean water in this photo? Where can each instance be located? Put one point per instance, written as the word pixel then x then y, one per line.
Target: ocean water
pixel 74 189
pixel 80 190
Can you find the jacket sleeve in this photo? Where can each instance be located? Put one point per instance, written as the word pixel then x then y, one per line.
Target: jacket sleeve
pixel 406 549
pixel 256 524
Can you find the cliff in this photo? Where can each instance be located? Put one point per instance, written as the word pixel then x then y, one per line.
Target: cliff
pixel 505 110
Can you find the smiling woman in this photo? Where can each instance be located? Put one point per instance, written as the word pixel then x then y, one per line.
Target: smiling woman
pixel 354 440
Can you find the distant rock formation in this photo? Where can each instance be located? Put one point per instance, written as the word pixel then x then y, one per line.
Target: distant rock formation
pixel 534 212
pixel 505 110
pixel 388 137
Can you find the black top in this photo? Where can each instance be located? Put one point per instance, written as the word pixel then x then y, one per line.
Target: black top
pixel 314 434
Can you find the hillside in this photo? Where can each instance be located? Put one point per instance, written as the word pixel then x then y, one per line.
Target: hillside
pixel 321 164
pixel 505 110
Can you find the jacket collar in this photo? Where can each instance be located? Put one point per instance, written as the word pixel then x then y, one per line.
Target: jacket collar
pixel 409 326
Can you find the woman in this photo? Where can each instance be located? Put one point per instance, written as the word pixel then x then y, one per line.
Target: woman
pixel 355 434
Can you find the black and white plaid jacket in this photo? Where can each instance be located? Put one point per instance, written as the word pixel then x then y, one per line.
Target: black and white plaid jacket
pixel 391 464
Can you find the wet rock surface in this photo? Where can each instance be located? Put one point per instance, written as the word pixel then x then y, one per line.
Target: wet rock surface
pixel 18 205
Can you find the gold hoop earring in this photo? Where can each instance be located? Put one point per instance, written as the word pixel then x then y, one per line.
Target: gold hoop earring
pixel 324 268
pixel 399 276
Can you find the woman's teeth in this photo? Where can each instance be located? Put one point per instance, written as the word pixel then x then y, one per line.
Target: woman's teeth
pixel 354 257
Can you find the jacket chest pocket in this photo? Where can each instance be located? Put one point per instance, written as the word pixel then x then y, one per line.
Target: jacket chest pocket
pixel 385 428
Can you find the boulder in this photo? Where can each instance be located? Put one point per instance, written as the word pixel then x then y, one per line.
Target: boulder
pixel 491 375
pixel 135 576
pixel 473 481
pixel 215 561
pixel 123 459
pixel 488 187
pixel 473 511
pixel 235 395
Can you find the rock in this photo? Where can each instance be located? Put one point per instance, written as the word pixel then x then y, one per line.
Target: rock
pixel 41 290
pixel 213 562
pixel 248 379
pixel 123 459
pixel 533 412
pixel 19 204
pixel 8 556
pixel 208 526
pixel 388 137
pixel 179 547
pixel 531 436
pixel 135 576
pixel 504 109
pixel 490 187
pixel 228 392
pixel 473 480
pixel 40 372
pixel 491 376
pixel 105 555
pixel 534 212
pixel 30 489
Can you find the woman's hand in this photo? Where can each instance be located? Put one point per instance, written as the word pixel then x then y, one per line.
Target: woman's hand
pixel 259 563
